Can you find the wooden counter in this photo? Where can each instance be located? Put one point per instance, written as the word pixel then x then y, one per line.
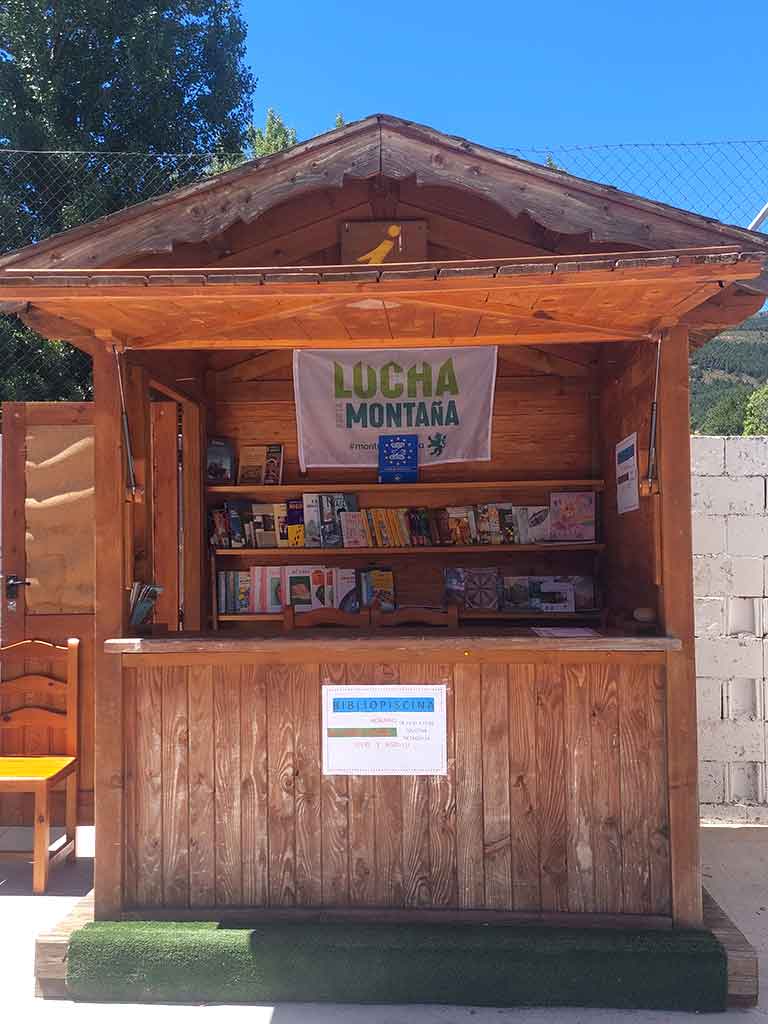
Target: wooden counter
pixel 555 801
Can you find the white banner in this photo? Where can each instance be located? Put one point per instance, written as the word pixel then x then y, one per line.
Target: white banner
pixel 346 398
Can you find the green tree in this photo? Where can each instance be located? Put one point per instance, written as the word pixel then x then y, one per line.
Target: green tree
pixel 726 416
pixel 106 77
pixel 756 413
pixel 274 137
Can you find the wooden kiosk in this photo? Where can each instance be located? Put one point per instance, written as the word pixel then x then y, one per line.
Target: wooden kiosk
pixel 571 787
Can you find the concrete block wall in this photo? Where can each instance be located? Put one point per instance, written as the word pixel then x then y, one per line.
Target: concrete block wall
pixel 730 567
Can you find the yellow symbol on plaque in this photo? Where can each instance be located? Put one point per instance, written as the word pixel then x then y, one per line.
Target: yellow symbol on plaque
pixel 383 249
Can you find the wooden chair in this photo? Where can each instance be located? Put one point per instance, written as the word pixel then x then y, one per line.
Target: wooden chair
pixel 324 617
pixel 416 617
pixel 35 701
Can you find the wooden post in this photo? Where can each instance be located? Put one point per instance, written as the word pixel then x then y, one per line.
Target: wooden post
pixel 674 461
pixel 108 622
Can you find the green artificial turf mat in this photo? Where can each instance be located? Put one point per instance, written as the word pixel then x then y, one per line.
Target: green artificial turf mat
pixel 471 965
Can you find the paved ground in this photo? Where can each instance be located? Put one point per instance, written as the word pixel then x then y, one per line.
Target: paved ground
pixel 736 873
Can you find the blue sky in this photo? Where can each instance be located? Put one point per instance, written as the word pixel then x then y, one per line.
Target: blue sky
pixel 517 75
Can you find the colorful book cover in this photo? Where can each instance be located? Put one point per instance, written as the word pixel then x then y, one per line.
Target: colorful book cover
pixel 220 461
pixel 298 580
pixel 311 520
pixel 243 598
pixel 572 516
pixel 295 522
pixel 345 590
pixel 273 465
pixel 218 535
pixel 509 523
pixel 488 524
pixel 274 588
pixel 353 529
pixel 317 578
pixel 398 458
pixel 378 588
pixel 481 589
pixel 443 526
pixel 280 512
pixel 263 519
pixel 330 588
pixel 584 595
pixel 461 524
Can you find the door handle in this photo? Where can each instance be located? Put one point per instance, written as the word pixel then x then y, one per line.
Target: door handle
pixel 12 584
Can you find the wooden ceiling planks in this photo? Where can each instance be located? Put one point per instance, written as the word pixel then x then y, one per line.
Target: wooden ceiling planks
pixel 548 301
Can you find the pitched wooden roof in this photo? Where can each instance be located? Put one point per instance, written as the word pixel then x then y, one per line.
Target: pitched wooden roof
pixel 395 149
pixel 594 298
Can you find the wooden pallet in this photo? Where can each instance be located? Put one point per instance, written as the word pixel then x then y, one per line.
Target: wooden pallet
pixel 743 982
pixel 51 953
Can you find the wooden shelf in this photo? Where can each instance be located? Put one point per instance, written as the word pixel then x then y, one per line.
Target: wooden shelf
pixel 478 613
pixel 283 554
pixel 249 617
pixel 311 486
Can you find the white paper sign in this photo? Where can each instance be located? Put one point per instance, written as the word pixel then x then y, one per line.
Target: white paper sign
pixel 346 398
pixel 384 730
pixel 627 496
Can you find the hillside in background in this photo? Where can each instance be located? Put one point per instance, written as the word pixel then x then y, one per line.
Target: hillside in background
pixel 724 373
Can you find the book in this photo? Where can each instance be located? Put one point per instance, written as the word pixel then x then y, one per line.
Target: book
pixel 330 588
pixel 534 524
pixel 516 594
pixel 572 516
pixel 488 524
pixel 218 528
pixel 220 461
pixel 295 522
pixel 263 526
pixel 330 524
pixel 143 599
pixel 353 530
pixel 509 523
pixel 280 512
pixel 258 588
pixel 243 593
pixel 311 520
pixel 318 584
pixel 345 590
pixel 551 594
pixel 481 589
pixel 298 587
pixel 237 518
pixel 274 589
pixel 454 585
pixel 260 464
pixel 461 524
pixel 377 588
pixel 398 458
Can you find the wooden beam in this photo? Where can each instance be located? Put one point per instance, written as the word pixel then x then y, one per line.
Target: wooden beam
pixel 674 457
pixel 525 338
pixel 254 368
pixel 545 362
pixel 108 622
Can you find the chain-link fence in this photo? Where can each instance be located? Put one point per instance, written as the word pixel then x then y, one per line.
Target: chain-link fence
pixel 42 193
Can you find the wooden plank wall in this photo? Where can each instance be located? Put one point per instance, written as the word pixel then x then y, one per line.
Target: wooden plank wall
pixel 632 566
pixel 555 798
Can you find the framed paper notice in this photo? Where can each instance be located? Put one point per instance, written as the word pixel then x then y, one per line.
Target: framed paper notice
pixel 384 730
pixel 627 496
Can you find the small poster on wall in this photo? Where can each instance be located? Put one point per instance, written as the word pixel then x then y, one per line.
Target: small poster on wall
pixel 384 730
pixel 627 494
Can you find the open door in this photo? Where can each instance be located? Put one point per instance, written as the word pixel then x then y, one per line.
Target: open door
pixel 47 534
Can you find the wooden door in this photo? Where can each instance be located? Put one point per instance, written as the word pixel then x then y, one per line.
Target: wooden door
pixel 47 534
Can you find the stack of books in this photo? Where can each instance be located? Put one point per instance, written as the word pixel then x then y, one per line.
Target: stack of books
pixel 489 589
pixel 268 589
pixel 142 601
pixel 335 520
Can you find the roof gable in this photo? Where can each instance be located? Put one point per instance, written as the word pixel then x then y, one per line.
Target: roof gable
pixel 378 146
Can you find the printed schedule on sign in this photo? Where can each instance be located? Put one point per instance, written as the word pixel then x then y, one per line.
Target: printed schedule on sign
pixel 384 730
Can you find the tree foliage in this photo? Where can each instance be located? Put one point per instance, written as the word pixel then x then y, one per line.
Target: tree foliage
pixel 101 76
pixel 756 412
pixel 726 416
